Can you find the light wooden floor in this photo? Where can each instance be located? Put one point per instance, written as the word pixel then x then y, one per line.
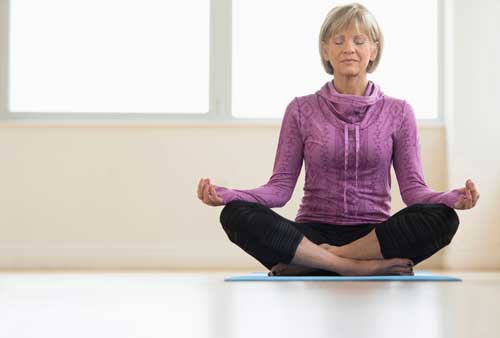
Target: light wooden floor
pixel 200 304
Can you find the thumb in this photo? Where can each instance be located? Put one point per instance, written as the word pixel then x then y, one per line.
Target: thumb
pixel 213 192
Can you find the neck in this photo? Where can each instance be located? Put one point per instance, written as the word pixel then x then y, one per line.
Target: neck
pixel 350 85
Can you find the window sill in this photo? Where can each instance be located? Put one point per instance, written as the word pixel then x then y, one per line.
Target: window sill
pixel 137 122
pixel 162 123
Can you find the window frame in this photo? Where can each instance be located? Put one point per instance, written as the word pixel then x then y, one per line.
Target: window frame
pixel 220 78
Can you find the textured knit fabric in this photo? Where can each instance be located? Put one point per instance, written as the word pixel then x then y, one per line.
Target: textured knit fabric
pixel 347 144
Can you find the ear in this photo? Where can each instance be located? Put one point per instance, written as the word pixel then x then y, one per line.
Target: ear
pixel 374 52
pixel 323 50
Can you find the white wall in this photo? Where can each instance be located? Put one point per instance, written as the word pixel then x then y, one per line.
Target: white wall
pixel 474 129
pixel 125 196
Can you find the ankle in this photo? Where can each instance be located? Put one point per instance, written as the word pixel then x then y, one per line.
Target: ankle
pixel 336 250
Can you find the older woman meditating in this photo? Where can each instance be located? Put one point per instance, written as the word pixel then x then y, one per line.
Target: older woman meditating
pixel 347 133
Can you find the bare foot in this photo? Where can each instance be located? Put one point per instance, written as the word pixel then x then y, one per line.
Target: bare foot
pixel 393 266
pixel 384 267
pixel 282 269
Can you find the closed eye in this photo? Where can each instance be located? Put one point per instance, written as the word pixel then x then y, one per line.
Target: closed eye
pixel 356 42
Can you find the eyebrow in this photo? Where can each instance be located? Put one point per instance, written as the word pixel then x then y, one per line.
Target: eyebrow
pixel 357 35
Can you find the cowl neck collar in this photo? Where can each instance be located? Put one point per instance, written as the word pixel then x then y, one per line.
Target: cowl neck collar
pixel 340 109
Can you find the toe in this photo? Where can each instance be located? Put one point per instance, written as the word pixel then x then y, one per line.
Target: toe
pixel 404 262
pixel 273 270
pixel 404 271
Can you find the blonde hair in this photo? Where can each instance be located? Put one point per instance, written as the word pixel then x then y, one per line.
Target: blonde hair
pixel 341 17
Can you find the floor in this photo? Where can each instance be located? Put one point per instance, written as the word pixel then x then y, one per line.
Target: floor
pixel 200 304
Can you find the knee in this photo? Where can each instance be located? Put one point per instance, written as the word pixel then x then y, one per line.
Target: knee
pixel 225 214
pixel 229 214
pixel 451 222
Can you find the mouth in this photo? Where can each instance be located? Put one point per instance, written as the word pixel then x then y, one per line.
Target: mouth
pixel 350 60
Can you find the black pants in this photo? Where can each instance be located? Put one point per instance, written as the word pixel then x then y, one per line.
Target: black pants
pixel 415 232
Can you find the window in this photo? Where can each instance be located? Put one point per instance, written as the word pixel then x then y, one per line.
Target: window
pixel 276 57
pixel 197 59
pixel 110 56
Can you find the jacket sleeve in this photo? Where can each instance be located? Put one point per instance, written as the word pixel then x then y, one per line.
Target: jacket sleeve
pixel 287 166
pixel 408 165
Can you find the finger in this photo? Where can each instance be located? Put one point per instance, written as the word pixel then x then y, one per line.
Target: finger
pixel 209 189
pixel 210 193
pixel 200 189
pixel 203 187
pixel 213 192
pixel 206 198
pixel 200 185
pixel 473 199
pixel 469 183
pixel 477 197
pixel 472 186
pixel 473 194
pixel 211 197
pixel 468 201
pixel 473 191
pixel 465 200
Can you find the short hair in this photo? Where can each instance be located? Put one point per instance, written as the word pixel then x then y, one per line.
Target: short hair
pixel 341 17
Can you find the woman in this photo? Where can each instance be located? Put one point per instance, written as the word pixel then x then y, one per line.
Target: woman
pixel 348 133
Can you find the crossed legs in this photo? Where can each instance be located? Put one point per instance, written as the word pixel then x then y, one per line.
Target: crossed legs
pixel 361 257
pixel 274 240
pixel 411 235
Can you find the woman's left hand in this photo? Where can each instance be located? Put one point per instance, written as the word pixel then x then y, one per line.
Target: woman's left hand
pixel 469 198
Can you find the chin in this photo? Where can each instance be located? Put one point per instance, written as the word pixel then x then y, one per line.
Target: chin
pixel 352 73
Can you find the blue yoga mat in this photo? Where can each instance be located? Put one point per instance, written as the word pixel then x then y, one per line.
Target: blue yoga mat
pixel 421 275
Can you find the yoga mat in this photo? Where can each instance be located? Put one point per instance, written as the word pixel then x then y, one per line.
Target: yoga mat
pixel 420 275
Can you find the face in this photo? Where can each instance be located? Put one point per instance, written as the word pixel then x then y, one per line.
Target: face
pixel 348 45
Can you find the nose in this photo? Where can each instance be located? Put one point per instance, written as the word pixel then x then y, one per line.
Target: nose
pixel 349 47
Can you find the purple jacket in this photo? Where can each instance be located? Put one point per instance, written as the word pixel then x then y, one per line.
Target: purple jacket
pixel 347 143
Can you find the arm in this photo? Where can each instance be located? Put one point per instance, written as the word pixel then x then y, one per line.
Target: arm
pixel 408 165
pixel 287 165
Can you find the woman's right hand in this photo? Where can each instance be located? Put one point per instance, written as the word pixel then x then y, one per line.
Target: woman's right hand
pixel 207 194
